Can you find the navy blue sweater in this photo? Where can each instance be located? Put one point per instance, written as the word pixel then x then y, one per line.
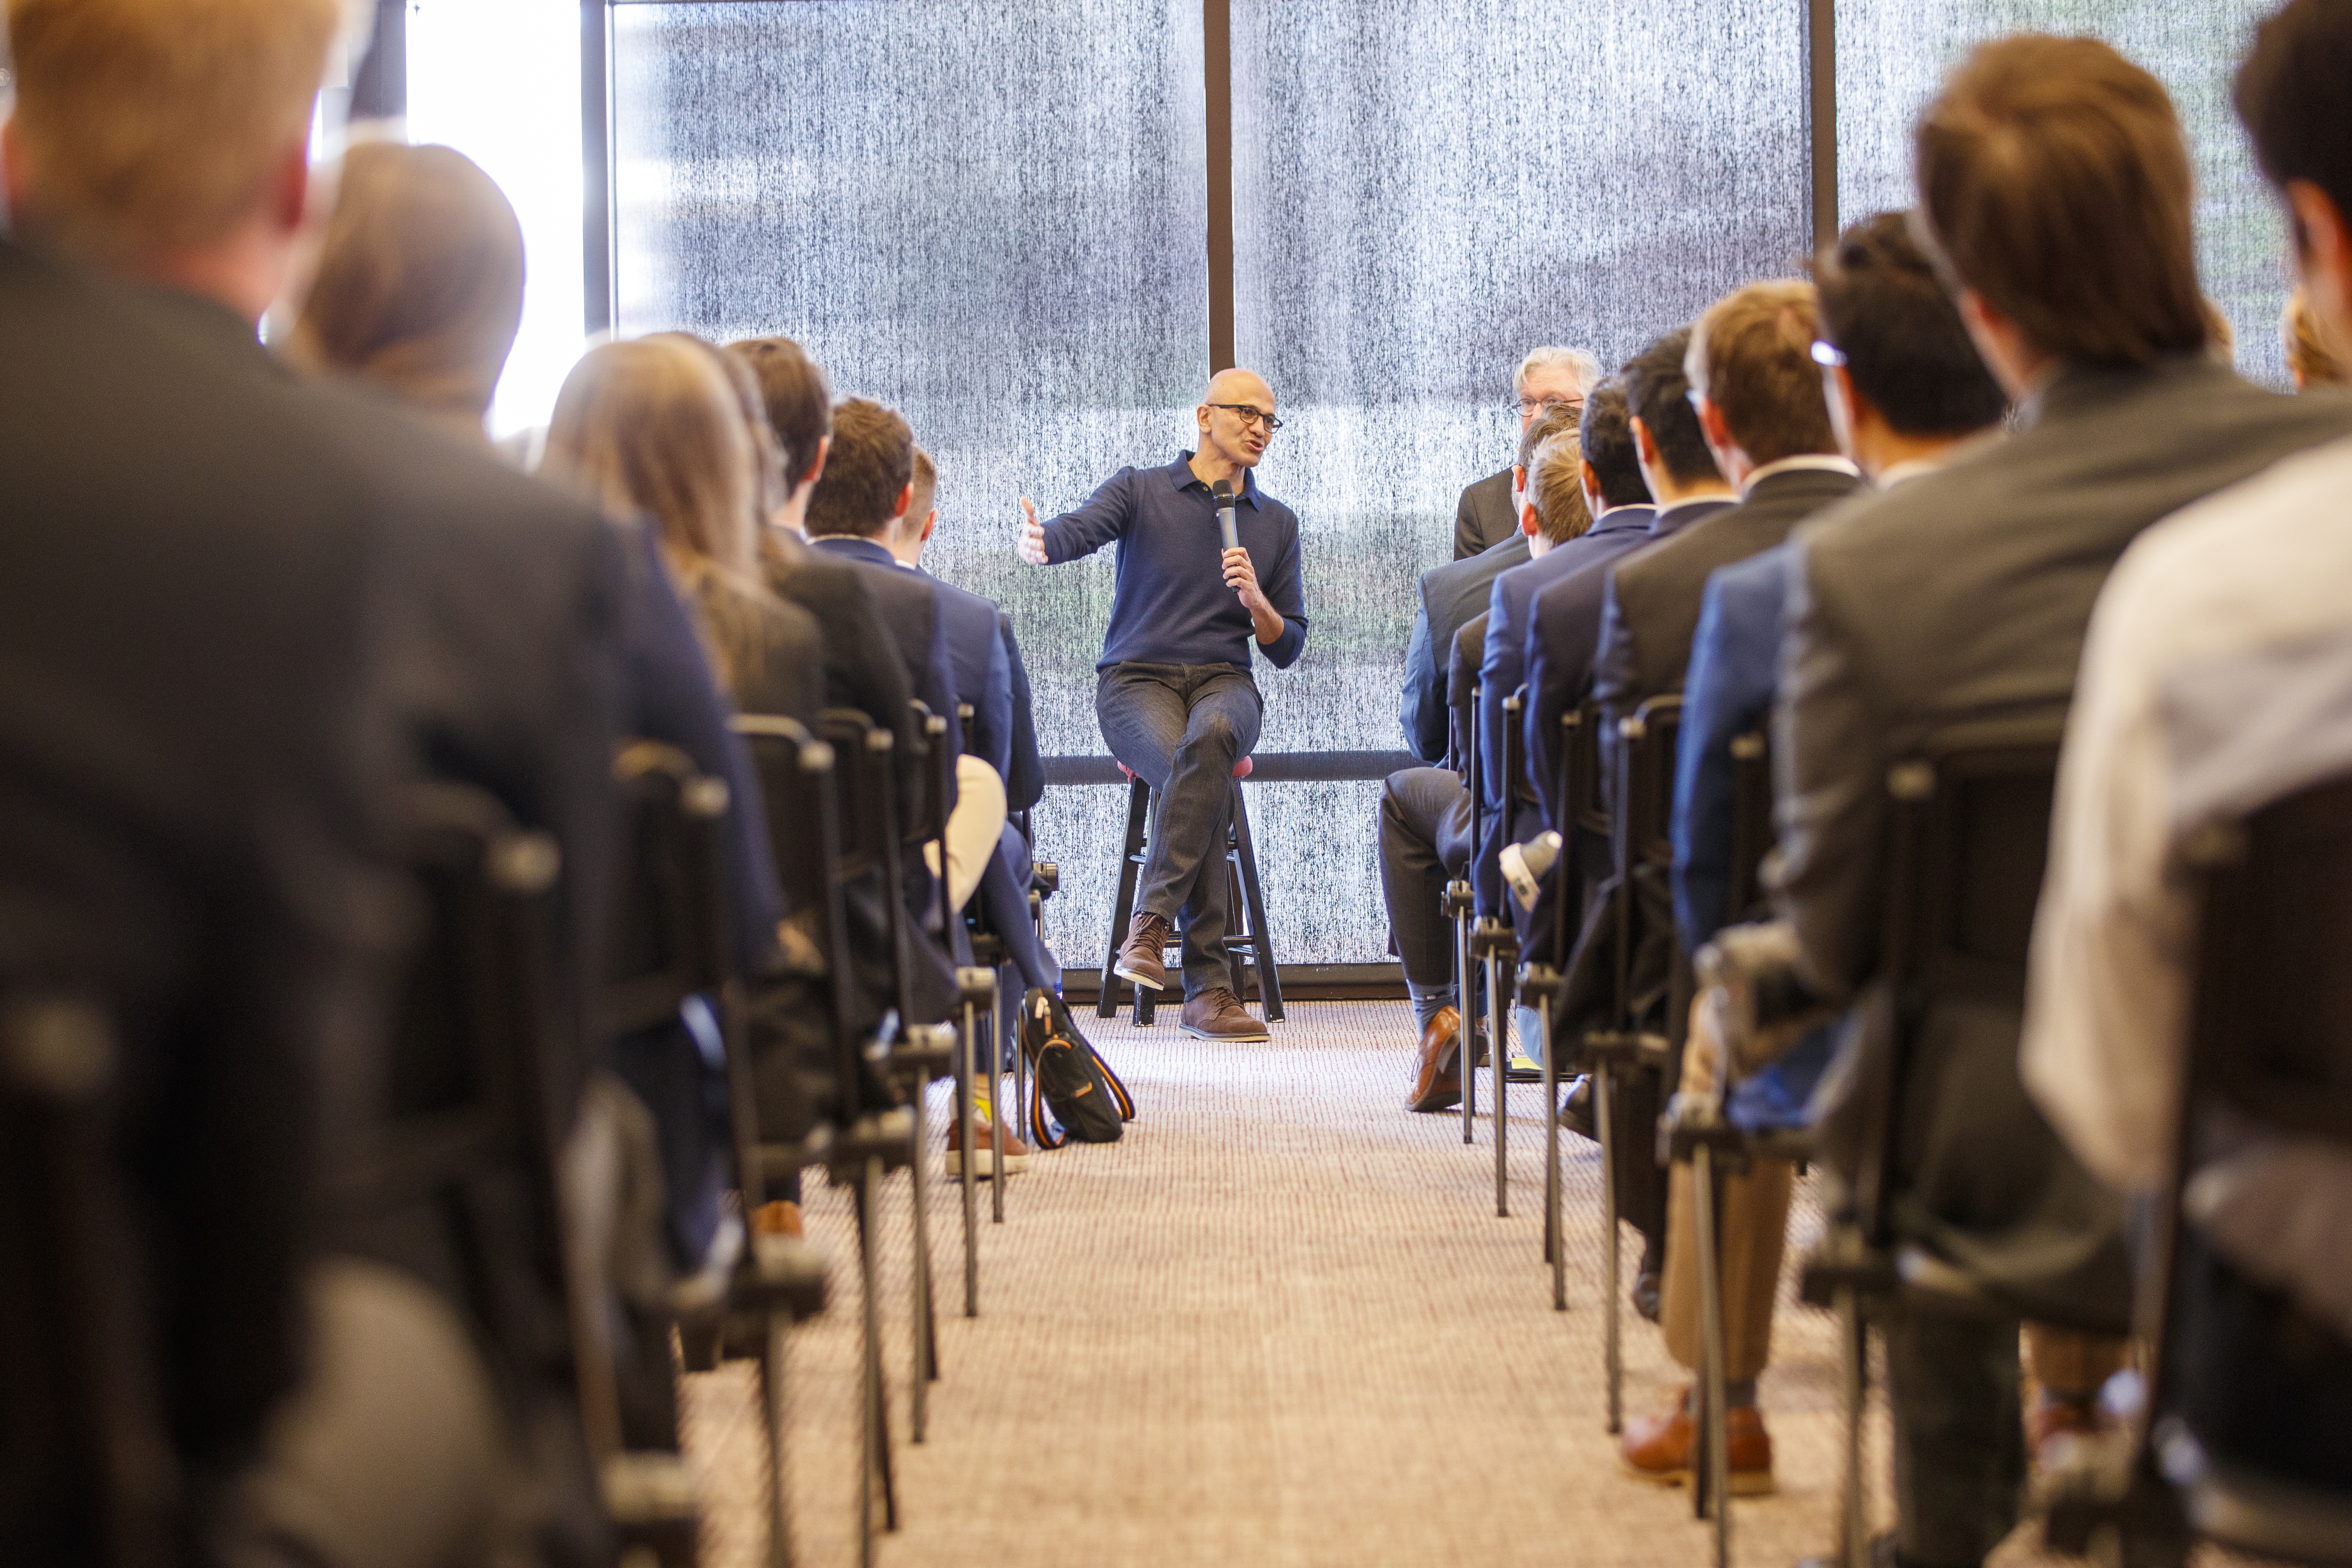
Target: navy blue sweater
pixel 1171 606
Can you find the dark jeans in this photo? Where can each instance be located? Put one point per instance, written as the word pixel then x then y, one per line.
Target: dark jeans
pixel 1181 729
pixel 1959 1441
pixel 1425 843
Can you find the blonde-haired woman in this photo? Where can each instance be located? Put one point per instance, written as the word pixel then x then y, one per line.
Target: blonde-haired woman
pixel 653 428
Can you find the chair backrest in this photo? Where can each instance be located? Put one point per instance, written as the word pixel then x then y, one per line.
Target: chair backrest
pixel 670 926
pixel 1646 781
pixel 1751 821
pixel 1586 807
pixel 87 1471
pixel 800 784
pixel 1967 838
pixel 865 794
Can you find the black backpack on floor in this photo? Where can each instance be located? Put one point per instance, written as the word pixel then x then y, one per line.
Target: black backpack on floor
pixel 1086 1101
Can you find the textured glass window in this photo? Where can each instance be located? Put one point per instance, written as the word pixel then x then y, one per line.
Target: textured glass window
pixel 1423 190
pixel 991 218
pixel 1892 54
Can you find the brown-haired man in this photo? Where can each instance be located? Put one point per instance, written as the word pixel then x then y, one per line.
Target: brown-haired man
pixel 2223 633
pixel 2056 189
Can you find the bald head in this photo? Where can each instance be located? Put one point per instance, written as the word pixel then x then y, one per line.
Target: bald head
pixel 1235 419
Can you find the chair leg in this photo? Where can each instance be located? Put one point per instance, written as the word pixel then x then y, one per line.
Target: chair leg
pixel 996 1107
pixel 1497 1024
pixel 1715 1464
pixel 772 1400
pixel 966 1123
pixel 1853 1526
pixel 872 1464
pixel 1269 973
pixel 919 1371
pixel 1465 1049
pixel 1555 1253
pixel 1613 1348
pixel 1139 805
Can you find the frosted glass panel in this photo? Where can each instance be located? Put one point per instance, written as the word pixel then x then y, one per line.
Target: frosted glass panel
pixel 1424 190
pixel 1892 54
pixel 991 218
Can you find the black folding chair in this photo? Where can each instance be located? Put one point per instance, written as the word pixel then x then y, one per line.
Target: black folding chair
pixel 88 1471
pixel 988 952
pixel 2269 1053
pixel 1496 947
pixel 1462 908
pixel 1966 840
pixel 864 1146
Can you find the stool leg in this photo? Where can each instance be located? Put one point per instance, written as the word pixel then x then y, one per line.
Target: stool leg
pixel 1237 942
pixel 1139 800
pixel 1269 975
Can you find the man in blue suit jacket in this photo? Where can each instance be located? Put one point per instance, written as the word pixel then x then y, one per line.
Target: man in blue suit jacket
pixel 1903 388
pixel 985 656
pixel 1450 596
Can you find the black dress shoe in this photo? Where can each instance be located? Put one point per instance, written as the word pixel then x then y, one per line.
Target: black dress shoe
pixel 1576 1109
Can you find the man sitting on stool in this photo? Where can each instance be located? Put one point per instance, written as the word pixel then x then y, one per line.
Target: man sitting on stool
pixel 1175 694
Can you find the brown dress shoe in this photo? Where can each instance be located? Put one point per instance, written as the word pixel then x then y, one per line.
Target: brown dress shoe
pixel 778 1218
pixel 1437 1077
pixel 1142 956
pixel 1659 1448
pixel 1217 1014
pixel 1017 1152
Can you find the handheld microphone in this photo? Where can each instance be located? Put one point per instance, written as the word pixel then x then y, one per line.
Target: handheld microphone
pixel 1223 491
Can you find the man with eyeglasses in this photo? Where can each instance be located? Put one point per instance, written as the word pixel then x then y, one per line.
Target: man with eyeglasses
pixel 1173 690
pixel 1488 512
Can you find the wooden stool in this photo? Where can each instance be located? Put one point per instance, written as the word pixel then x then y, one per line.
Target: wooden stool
pixel 1248 942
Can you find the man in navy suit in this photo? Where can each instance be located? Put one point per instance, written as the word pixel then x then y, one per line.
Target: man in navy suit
pixel 1450 596
pixel 985 654
pixel 1905 388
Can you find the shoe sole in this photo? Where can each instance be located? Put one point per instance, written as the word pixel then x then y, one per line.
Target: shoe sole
pixel 1128 974
pixel 1744 1483
pixel 1244 1039
pixel 952 1163
pixel 1437 1102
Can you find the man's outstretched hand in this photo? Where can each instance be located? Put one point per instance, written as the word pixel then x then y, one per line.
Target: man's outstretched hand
pixel 1033 535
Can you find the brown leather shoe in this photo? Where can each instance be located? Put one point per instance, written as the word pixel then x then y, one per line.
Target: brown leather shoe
pixel 1217 1014
pixel 778 1218
pixel 1017 1152
pixel 1437 1076
pixel 1659 1449
pixel 1142 956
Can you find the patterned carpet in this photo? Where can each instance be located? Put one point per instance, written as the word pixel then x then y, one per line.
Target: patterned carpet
pixel 1278 1323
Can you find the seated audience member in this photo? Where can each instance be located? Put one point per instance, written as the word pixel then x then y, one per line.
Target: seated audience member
pixel 2312 357
pixel 1671 457
pixel 860 500
pixel 1905 391
pixel 986 655
pixel 2222 631
pixel 1609 482
pixel 416 288
pixel 2057 190
pixel 1489 515
pixel 1424 832
pixel 281 602
pixel 1760 403
pixel 1448 596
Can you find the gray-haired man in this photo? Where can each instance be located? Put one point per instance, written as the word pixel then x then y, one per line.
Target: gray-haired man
pixel 1489 513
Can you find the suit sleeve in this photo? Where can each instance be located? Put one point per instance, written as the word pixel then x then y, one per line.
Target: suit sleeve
pixel 1712 718
pixel 1024 783
pixel 1830 765
pixel 1105 515
pixel 1461 684
pixel 1494 791
pixel 1549 696
pixel 1421 711
pixel 1466 541
pixel 1616 681
pixel 994 730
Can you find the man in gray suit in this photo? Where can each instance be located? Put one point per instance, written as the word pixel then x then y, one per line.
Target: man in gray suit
pixel 2056 189
pixel 1488 513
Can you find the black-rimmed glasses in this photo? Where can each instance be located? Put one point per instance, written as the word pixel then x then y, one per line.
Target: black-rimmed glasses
pixel 1529 407
pixel 1252 415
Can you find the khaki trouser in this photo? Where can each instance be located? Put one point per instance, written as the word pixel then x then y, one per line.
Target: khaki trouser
pixel 2072 1365
pixel 1752 1217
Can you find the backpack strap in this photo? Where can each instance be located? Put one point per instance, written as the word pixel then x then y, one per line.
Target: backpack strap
pixel 1117 1088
